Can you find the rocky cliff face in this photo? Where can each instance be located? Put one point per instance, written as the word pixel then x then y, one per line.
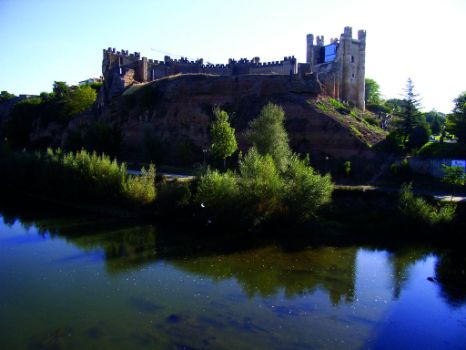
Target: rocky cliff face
pixel 175 113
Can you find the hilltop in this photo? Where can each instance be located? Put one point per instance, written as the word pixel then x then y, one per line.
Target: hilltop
pixel 176 112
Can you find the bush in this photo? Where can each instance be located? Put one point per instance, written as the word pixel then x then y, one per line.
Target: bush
pixel 453 175
pixel 418 209
pixel 217 193
pixel 141 189
pixel 173 195
pixel 261 185
pixel 305 190
pixel 78 177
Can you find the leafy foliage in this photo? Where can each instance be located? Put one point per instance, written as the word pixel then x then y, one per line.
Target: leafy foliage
pixel 453 175
pixel 57 107
pixel 456 122
pixel 79 177
pixel 436 121
pixel 305 190
pixel 268 135
pixel 218 193
pixel 141 189
pixel 5 96
pixel 418 209
pixel 372 92
pixel 261 184
pixel 223 136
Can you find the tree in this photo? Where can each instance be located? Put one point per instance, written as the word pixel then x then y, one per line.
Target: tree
pixel 410 113
pixel 223 136
pixel 456 122
pixel 436 121
pixel 80 100
pixel 372 92
pixel 396 105
pixel 60 89
pixel 267 133
pixel 5 95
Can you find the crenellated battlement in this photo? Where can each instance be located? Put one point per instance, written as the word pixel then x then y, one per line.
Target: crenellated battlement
pixel 340 65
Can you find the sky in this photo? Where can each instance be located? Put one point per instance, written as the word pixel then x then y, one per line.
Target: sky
pixel 42 41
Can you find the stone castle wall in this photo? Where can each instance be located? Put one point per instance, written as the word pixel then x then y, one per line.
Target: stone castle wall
pixel 342 76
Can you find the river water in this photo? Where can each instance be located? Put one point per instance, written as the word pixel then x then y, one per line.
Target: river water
pixel 91 283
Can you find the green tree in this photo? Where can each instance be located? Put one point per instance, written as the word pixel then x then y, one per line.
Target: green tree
pixel 60 89
pixel 80 100
pixel 456 122
pixel 396 105
pixel 20 124
pixel 267 133
pixel 436 121
pixel 223 136
pixel 372 92
pixel 419 136
pixel 410 114
pixel 305 190
pixel 5 95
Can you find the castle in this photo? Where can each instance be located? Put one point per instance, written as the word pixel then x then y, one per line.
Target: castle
pixel 339 66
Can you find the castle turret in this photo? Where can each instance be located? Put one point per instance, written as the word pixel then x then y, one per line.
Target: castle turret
pixel 310 49
pixel 361 70
pixel 340 66
pixel 347 59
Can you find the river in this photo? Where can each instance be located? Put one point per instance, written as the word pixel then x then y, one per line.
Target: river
pixel 74 282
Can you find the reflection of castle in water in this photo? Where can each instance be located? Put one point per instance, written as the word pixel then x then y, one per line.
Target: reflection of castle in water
pixel 263 272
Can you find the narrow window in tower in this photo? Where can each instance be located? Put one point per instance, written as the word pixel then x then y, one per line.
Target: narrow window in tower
pixel 352 59
pixel 352 75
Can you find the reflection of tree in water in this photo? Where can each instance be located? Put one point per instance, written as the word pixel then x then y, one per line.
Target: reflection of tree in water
pixel 450 271
pixel 401 260
pixel 125 245
pixel 124 249
pixel 267 271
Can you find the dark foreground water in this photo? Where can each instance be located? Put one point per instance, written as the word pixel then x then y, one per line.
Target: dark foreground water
pixel 91 284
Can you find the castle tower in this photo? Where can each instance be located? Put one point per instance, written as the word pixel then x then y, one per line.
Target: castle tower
pixel 347 71
pixel 310 49
pixel 361 71
pixel 340 65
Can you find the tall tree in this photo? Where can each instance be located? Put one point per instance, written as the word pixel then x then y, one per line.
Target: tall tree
pixel 267 133
pixel 372 92
pixel 410 113
pixel 223 136
pixel 456 122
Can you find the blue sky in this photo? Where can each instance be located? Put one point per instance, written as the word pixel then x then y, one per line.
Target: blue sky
pixel 46 40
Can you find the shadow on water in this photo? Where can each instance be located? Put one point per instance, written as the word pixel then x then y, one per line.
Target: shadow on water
pixel 262 266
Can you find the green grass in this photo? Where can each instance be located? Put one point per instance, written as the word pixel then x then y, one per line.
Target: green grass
pixel 443 150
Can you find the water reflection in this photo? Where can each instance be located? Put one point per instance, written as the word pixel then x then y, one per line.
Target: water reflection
pixel 122 285
pixel 261 271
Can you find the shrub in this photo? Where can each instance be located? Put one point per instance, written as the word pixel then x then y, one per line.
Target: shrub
pixel 174 195
pixel 261 185
pixel 453 175
pixel 418 209
pixel 141 189
pixel 97 175
pixel 217 193
pixel 305 190
pixel 78 177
